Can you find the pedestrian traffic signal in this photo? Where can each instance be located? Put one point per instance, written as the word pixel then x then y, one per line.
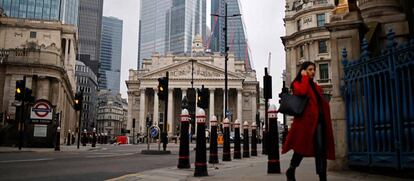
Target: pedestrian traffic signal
pixel 163 88
pixel 78 101
pixel 28 97
pixel 20 90
pixel 267 85
pixel 202 98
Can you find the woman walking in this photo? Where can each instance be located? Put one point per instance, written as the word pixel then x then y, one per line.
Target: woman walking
pixel 310 134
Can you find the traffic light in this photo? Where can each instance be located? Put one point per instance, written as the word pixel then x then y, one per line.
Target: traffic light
pixel 163 88
pixel 203 98
pixel 78 101
pixel 267 85
pixel 28 95
pixel 20 90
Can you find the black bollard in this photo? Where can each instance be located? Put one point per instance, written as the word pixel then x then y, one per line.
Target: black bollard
pixel 213 141
pixel 254 140
pixel 201 155
pixel 226 143
pixel 184 153
pixel 73 138
pixel 273 164
pixel 264 140
pixel 237 147
pixel 57 143
pixel 69 138
pixel 84 137
pixel 246 152
pixel 94 137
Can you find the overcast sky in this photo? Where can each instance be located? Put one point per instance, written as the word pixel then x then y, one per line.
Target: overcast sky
pixel 264 25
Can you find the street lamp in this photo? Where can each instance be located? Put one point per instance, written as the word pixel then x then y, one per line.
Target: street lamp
pixel 226 55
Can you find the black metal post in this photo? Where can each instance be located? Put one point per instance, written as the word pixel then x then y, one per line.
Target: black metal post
pixel 133 131
pixel 69 139
pixel 201 155
pixel 84 138
pixel 57 141
pixel 226 58
pixel 22 115
pixel 164 132
pixel 94 137
pixel 226 144
pixel 285 90
pixel 237 147
pixel 273 164
pixel 213 141
pixel 184 153
pixel 254 139
pixel 80 121
pixel 246 152
pixel 266 123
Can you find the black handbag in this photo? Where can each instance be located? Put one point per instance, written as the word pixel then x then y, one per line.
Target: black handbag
pixel 292 105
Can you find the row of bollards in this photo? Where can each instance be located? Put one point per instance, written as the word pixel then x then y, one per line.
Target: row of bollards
pixel 201 155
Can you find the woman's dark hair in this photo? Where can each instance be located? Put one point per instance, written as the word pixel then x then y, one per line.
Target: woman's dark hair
pixel 304 66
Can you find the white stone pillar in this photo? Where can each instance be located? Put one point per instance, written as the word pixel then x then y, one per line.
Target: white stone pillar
pixel 211 107
pixel 142 112
pixel 156 106
pixel 254 106
pixel 184 92
pixel 239 105
pixel 170 112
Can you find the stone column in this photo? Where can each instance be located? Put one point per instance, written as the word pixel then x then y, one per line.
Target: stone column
pixel 239 105
pixel 184 92
pixel 141 120
pixel 156 106
pixel 211 107
pixel 67 52
pixel 170 112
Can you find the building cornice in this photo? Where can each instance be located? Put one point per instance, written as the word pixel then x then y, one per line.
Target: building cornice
pixel 303 32
pixel 302 12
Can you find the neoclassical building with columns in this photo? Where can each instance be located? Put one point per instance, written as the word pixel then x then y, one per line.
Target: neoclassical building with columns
pixel 204 69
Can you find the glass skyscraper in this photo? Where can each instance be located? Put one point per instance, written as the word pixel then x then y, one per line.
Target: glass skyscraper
pixel 170 26
pixel 236 36
pixel 58 10
pixel 89 28
pixel 111 50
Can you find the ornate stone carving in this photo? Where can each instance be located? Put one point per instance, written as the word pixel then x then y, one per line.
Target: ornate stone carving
pixel 184 71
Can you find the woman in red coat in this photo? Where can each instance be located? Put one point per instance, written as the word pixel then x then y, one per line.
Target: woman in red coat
pixel 310 134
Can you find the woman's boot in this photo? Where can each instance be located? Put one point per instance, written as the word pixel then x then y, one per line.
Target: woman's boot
pixel 322 177
pixel 290 174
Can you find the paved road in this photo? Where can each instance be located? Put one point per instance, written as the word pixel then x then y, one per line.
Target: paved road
pixel 108 162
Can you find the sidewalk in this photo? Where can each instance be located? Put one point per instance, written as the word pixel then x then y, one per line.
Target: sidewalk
pixel 65 148
pixel 246 169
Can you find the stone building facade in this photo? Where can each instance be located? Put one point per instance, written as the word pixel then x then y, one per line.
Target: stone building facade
pixel 206 69
pixel 112 113
pixel 347 24
pixel 88 83
pixel 44 52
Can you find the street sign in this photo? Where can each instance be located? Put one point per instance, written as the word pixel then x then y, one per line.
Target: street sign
pixel 154 131
pixel 42 110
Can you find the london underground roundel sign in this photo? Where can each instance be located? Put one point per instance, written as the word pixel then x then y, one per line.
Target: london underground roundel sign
pixel 42 110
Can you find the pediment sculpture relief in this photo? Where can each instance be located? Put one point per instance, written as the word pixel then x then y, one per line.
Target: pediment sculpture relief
pixel 184 71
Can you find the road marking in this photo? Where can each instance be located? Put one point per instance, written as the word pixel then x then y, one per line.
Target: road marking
pixel 29 160
pixel 110 155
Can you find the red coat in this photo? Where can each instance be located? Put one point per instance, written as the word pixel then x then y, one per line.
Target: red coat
pixel 300 137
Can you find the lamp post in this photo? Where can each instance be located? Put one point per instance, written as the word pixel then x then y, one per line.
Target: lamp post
pixel 226 55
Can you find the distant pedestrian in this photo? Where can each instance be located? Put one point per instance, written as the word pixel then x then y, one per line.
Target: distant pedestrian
pixel 311 133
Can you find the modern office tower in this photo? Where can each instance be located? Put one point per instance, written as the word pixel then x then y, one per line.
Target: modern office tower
pixel 111 50
pixel 59 10
pixel 169 26
pixel 236 36
pixel 89 27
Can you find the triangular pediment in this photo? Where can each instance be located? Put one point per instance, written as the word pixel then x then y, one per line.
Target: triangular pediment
pixel 182 70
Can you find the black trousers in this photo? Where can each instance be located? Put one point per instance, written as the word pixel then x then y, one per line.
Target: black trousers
pixel 320 151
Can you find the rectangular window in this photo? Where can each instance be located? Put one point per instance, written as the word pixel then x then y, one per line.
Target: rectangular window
pixel 33 34
pixel 299 24
pixel 321 19
pixel 301 51
pixel 322 47
pixel 323 72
